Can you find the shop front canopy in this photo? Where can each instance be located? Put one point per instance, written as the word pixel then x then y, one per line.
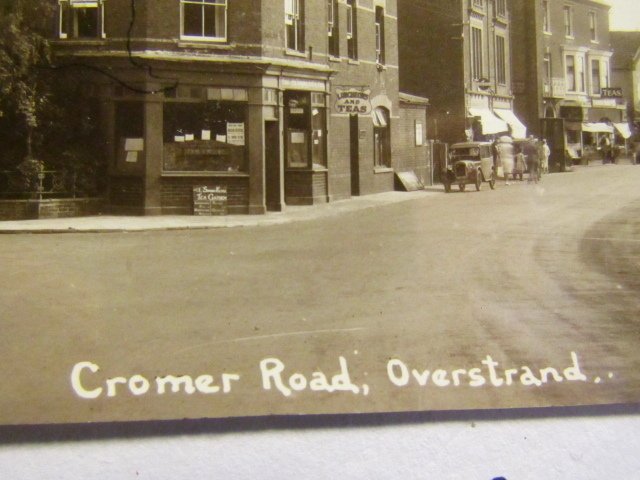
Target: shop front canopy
pixel 623 129
pixel 597 127
pixel 518 130
pixel 490 123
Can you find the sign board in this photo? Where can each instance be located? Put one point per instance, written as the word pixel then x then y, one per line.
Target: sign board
pixel 235 133
pixel 209 201
pixel 353 100
pixel 408 181
pixel 613 92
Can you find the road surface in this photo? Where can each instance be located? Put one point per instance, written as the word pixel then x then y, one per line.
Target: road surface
pixel 525 296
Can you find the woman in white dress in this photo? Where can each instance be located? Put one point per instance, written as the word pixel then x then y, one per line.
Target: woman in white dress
pixel 505 156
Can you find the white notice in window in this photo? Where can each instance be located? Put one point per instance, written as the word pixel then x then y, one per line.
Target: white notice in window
pixel 235 133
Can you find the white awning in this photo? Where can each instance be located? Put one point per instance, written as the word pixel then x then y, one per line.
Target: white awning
pixel 623 129
pixel 597 127
pixel 490 123
pixel 518 130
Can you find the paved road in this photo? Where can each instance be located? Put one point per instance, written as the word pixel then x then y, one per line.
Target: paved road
pixel 520 297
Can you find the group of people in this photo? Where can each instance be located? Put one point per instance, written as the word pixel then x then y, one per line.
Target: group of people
pixel 531 154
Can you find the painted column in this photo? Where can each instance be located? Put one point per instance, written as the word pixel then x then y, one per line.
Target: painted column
pixel 153 148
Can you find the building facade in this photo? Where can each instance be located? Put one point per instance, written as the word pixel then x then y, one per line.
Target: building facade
pixel 458 54
pixel 625 72
pixel 267 103
pixel 562 69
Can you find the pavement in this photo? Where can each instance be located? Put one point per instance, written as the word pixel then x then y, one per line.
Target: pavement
pixel 112 223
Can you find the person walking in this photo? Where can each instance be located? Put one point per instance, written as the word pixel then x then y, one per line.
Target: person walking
pixel 530 151
pixel 545 153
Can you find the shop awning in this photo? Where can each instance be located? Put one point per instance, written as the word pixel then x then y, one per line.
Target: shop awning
pixel 490 123
pixel 518 130
pixel 623 129
pixel 597 127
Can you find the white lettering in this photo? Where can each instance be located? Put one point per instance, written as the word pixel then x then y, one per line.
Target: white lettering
pixel 76 384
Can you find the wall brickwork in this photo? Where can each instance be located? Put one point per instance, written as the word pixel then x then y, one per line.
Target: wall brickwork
pixel 177 193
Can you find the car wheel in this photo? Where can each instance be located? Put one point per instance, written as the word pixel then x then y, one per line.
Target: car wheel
pixel 478 181
pixel 462 186
pixel 492 182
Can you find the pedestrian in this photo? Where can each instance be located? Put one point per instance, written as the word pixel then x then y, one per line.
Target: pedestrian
pixel 504 149
pixel 544 157
pixel 530 151
pixel 605 148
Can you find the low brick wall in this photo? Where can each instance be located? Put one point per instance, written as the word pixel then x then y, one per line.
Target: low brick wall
pixel 50 208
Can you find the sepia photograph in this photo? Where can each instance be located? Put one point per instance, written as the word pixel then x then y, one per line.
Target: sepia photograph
pixel 227 208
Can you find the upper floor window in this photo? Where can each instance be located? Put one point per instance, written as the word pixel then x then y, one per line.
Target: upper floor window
pixel 294 24
pixel 204 19
pixel 501 8
pixel 595 77
pixel 568 21
pixel 478 3
pixel 476 53
pixel 574 73
pixel 593 27
pixel 352 29
pixel 501 60
pixel 380 54
pixel 546 17
pixel 332 28
pixel 81 19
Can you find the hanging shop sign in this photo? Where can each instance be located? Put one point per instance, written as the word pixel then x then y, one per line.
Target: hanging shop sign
pixel 613 92
pixel 353 100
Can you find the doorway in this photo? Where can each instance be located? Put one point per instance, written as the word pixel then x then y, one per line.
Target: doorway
pixel 273 174
pixel 354 153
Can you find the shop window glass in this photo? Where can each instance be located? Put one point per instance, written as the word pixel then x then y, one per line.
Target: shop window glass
pixel 207 136
pixel 381 137
pixel 81 19
pixel 204 19
pixel 305 125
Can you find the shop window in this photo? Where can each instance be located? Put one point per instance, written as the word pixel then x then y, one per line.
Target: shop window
pixel 379 26
pixel 305 126
pixel 204 19
pixel 294 24
pixel 381 137
pixel 81 19
pixel 352 30
pixel 204 136
pixel 332 28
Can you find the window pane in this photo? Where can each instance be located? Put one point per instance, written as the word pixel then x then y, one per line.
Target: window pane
pixel 87 22
pixel 214 21
pixel 192 20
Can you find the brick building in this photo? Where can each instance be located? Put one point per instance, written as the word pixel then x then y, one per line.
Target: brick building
pixel 562 69
pixel 274 103
pixel 457 53
pixel 625 72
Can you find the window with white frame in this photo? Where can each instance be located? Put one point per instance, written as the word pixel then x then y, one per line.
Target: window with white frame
pixel 568 21
pixel 546 17
pixel 332 28
pixel 593 27
pixel 81 19
pixel 294 24
pixel 501 8
pixel 575 73
pixel 501 63
pixel 547 68
pixel 478 3
pixel 204 19
pixel 605 74
pixel 476 53
pixel 352 30
pixel 379 30
pixel 595 77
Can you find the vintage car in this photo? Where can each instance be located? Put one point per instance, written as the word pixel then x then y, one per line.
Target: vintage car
pixel 469 162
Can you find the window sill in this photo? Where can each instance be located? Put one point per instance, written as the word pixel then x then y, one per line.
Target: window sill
pixel 294 53
pixel 334 59
pixel 377 170
pixel 203 174
pixel 352 61
pixel 81 41
pixel 381 66
pixel 545 32
pixel 204 43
